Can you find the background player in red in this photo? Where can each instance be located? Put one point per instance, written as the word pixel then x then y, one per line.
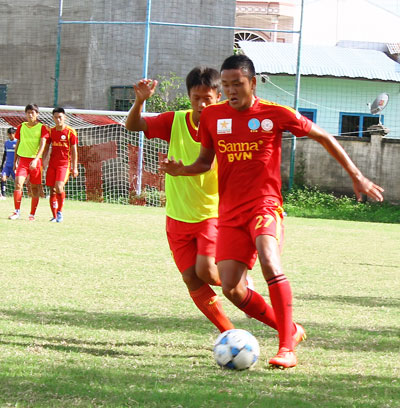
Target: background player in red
pixel 63 160
pixel 244 133
pixel 31 136
pixel 192 202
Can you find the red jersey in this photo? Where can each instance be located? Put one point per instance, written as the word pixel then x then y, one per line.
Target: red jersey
pixel 61 142
pixel 160 126
pixel 247 145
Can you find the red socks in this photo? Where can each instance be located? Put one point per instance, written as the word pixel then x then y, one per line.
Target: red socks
pixel 34 204
pixel 255 306
pixel 60 200
pixel 53 205
pixel 17 199
pixel 281 300
pixel 208 303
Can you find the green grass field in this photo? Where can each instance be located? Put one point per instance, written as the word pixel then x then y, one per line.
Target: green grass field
pixel 93 313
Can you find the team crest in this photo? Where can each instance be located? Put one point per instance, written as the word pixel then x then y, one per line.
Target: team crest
pixel 224 126
pixel 63 137
pixel 267 125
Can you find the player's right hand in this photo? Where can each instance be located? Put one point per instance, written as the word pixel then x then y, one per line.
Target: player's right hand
pixel 145 88
pixel 172 167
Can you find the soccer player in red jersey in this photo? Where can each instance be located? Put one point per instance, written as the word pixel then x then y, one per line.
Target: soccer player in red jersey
pixel 31 136
pixel 192 202
pixel 245 133
pixel 63 161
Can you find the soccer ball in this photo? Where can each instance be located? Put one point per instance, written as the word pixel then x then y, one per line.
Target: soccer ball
pixel 236 349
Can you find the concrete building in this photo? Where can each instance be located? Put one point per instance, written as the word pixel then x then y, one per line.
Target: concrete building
pixel 273 15
pixel 99 62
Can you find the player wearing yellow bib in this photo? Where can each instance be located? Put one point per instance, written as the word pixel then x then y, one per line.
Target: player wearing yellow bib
pixel 31 136
pixel 192 202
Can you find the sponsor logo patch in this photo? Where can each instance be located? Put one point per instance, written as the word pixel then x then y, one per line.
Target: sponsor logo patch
pixel 224 126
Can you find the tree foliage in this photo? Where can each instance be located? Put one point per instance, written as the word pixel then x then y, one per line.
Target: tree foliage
pixel 168 96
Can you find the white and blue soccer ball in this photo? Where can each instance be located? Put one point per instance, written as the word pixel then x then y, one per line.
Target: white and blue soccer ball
pixel 236 349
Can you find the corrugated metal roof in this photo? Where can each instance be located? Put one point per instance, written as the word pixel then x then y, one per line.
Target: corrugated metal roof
pixel 276 58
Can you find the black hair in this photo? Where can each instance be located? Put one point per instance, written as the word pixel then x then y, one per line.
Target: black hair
pixel 58 110
pixel 206 76
pixel 32 106
pixel 242 62
pixel 11 130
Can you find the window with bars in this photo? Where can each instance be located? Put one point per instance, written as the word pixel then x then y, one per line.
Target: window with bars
pixel 356 124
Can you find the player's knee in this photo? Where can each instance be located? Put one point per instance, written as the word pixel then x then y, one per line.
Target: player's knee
pixel 270 268
pixel 208 275
pixel 235 293
pixel 35 190
pixel 189 276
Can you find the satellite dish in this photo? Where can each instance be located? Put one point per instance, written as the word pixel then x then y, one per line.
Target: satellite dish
pixel 379 103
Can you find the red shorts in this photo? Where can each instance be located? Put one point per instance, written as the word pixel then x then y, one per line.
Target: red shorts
pixel 187 240
pixel 57 173
pixel 238 242
pixel 23 170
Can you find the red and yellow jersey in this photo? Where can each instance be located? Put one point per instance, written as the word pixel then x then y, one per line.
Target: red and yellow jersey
pixel 160 126
pixel 61 142
pixel 247 145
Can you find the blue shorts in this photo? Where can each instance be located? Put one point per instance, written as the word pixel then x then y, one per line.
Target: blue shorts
pixel 8 171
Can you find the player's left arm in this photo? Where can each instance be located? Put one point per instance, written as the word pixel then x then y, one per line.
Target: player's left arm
pixel 361 184
pixel 74 160
pixel 15 164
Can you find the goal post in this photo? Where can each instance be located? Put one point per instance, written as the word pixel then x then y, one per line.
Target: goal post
pixel 108 156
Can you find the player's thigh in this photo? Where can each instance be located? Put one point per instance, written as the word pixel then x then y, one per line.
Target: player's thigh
pixel 19 182
pixel 206 236
pixel 269 255
pixel 233 278
pixel 269 222
pixel 59 187
pixel 183 248
pixel 235 243
pixel 62 174
pixel 206 241
pixel 50 176
pixel 266 228
pixel 206 269
pixel 22 169
pixel 35 175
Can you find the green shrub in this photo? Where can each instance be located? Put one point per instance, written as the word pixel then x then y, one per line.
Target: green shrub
pixel 310 202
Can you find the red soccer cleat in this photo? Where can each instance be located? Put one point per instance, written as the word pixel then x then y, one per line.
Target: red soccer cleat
pixel 284 359
pixel 299 335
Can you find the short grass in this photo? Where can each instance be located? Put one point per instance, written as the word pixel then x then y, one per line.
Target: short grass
pixel 93 313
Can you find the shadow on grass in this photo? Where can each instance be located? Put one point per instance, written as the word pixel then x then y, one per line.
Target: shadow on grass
pixel 352 338
pixel 367 301
pixel 107 321
pixel 95 348
pixel 319 335
pixel 155 386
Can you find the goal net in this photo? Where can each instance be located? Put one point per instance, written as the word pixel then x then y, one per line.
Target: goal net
pixel 115 165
